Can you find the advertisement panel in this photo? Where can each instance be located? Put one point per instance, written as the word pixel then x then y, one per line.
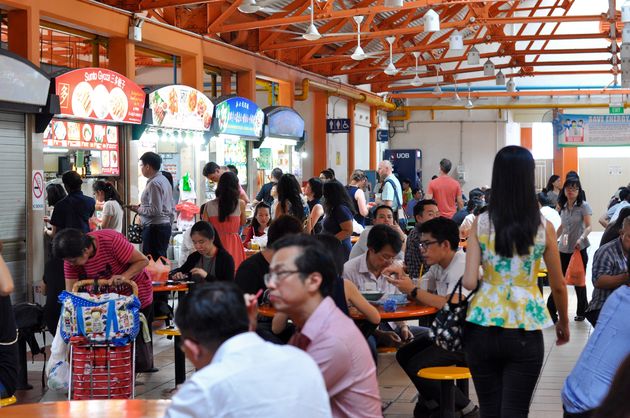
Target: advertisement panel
pixel 239 116
pixel 592 130
pixel 181 107
pixel 99 94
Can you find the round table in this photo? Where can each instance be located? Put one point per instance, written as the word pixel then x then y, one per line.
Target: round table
pixel 404 312
pixel 119 408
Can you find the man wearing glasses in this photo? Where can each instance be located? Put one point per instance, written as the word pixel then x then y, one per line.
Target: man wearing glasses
pixel 239 374
pixel 300 279
pixel 439 241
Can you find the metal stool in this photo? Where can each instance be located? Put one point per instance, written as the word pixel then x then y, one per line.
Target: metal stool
pixel 449 376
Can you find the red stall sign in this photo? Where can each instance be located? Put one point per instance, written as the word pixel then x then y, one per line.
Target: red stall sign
pixel 97 93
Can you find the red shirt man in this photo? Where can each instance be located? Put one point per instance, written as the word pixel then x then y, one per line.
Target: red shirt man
pixel 446 191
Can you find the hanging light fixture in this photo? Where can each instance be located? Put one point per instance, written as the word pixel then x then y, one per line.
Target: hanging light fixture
pixel 510 86
pixel 488 68
pixel 437 90
pixel 456 41
pixel 312 34
pixel 500 78
pixel 473 56
pixel 431 21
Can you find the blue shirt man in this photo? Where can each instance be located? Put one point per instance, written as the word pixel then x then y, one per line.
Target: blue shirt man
pixel 589 381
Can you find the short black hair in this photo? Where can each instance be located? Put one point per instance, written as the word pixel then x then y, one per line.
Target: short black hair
pixel 210 168
pixel 406 180
pixel 70 243
pixel 283 225
pixel 54 193
pixel 314 258
pixel 152 159
pixel 419 207
pixel 624 194
pixel 544 199
pixel 71 181
pixel 212 313
pixel 380 207
pixel 316 186
pixel 232 168
pixel 442 229
pixel 276 173
pixel 168 176
pixel 382 235
pixel 328 173
pixel 446 165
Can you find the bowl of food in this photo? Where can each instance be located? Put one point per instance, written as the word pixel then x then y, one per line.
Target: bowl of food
pixel 372 295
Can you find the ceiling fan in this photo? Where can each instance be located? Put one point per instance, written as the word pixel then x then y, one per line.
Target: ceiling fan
pixel 391 68
pixel 416 81
pixel 312 33
pixel 253 6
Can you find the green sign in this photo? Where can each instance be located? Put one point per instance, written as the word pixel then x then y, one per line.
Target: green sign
pixel 615 110
pixel 264 161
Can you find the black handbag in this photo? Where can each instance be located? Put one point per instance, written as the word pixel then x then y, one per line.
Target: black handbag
pixel 447 329
pixel 134 232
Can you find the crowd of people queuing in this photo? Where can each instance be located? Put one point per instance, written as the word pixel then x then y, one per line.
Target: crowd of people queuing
pixel 321 362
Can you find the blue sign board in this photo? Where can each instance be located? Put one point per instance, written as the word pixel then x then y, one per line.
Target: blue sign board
pixel 283 122
pixel 337 126
pixel 238 116
pixel 382 135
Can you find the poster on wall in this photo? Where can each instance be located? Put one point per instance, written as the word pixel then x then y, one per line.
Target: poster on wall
pixel 181 107
pixel 592 130
pixel 97 93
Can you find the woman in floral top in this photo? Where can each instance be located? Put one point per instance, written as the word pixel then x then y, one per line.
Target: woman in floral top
pixel 503 339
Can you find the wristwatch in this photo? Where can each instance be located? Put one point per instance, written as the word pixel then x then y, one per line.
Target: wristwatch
pixel 412 295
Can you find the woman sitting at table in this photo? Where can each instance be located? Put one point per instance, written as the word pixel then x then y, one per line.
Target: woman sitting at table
pixel 260 223
pixel 210 261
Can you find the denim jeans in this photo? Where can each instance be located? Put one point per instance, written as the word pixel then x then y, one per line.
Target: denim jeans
pixel 505 365
pixel 155 240
pixel 422 352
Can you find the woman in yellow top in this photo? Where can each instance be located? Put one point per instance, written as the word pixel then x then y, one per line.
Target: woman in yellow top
pixel 503 337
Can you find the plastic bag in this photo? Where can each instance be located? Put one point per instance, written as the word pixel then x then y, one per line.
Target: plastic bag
pixel 59 376
pixel 575 275
pixel 158 269
pixel 58 351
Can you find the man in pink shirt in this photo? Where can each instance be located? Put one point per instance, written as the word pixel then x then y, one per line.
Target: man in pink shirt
pixel 300 279
pixel 446 191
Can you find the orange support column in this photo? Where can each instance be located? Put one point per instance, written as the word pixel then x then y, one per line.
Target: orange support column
pixel 24 33
pixel 122 57
pixel 373 126
pixel 565 159
pixel 246 84
pixel 320 147
pixel 192 71
pixel 526 138
pixel 226 83
pixel 351 108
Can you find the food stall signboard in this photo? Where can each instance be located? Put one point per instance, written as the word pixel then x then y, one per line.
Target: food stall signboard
pixel 97 93
pixel 86 136
pixel 284 122
pixel 181 107
pixel 239 116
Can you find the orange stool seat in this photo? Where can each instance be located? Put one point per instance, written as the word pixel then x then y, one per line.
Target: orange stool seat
pixel 7 401
pixel 448 376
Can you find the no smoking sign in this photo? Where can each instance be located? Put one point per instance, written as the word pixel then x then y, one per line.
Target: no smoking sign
pixel 37 189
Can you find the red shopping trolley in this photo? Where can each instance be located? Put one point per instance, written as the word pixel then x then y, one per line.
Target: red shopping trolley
pixel 102 370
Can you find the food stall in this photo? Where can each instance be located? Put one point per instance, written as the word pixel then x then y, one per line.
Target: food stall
pixel 178 130
pixel 85 135
pixel 283 139
pixel 237 123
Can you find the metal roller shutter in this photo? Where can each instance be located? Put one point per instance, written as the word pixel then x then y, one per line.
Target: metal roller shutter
pixel 13 198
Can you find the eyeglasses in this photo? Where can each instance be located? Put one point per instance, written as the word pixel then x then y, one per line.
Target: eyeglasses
pixel 573 188
pixel 424 245
pixel 276 277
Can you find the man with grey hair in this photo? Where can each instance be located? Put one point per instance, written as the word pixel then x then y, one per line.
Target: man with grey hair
pixel 391 191
pixel 446 191
pixel 610 270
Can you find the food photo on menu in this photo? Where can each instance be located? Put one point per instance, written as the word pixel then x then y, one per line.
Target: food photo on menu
pixel 113 159
pixel 118 104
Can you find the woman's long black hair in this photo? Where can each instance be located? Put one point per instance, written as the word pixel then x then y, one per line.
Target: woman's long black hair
pixel 207 230
pixel 335 195
pixel 550 183
pixel 571 181
pixel 513 208
pixel 228 191
pixel 54 193
pixel 289 197
pixel 316 186
pixel 255 223
pixel 108 189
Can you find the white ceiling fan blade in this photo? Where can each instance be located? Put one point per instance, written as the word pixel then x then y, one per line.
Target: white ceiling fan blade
pixel 270 10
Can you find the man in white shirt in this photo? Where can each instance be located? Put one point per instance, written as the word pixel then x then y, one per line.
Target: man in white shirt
pixel 384 215
pixel 439 241
pixel 239 374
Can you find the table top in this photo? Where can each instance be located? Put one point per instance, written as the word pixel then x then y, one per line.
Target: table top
pixel 119 408
pixel 249 252
pixel 173 332
pixel 180 287
pixel 403 312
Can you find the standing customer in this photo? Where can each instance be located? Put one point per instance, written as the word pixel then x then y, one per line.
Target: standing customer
pixel 156 207
pixel 313 191
pixel 74 210
pixel 446 191
pixel 290 198
pixel 575 214
pixel 339 214
pixel 227 214
pixel 503 337
pixel 8 334
pixel 264 195
pixel 112 215
pixel 358 181
pixel 553 189
pixel 391 190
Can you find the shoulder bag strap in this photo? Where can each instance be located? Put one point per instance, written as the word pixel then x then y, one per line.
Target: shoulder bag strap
pixel 396 199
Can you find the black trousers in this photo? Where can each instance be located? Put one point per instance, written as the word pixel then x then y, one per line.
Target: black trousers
pixel 505 365
pixel 421 353
pixel 580 291
pixel 155 240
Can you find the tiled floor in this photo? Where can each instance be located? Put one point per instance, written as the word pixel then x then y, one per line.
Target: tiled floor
pixel 397 393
